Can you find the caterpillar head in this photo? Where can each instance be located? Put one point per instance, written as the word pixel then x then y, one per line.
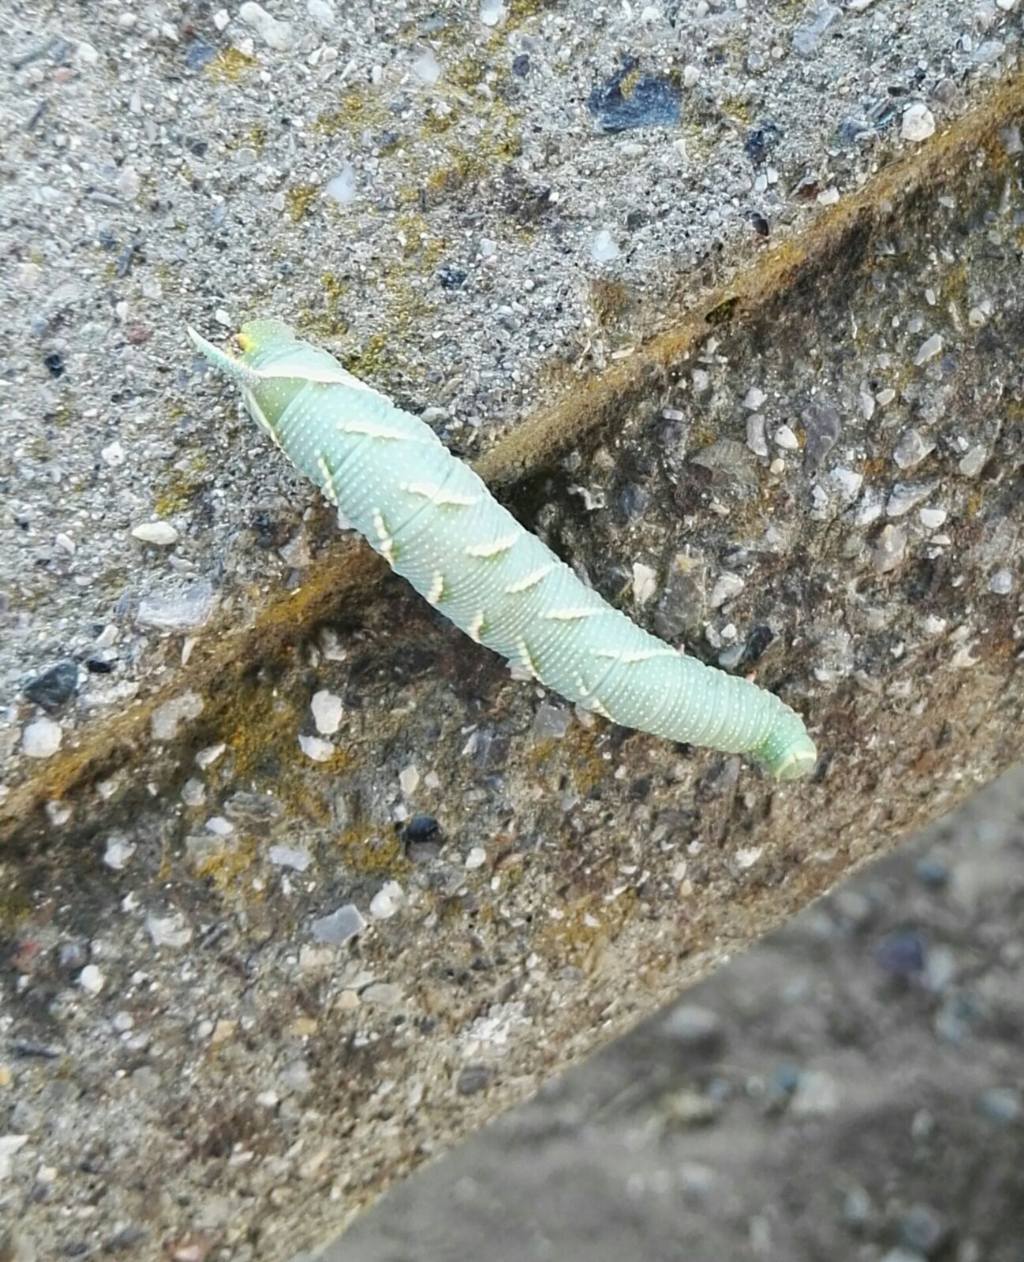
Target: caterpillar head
pixel 274 366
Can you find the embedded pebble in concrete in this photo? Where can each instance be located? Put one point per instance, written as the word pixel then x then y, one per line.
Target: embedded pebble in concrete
pixel 928 349
pixel 339 926
pixel 756 439
pixel 316 748
pixel 327 711
pixel 177 605
pixel 274 33
pixel 54 687
pixel 905 496
pixel 41 738
pixel 918 123
pixel 726 587
pixel 161 533
pixel 890 549
pixel 912 448
pixel 645 582
pixel 167 719
pixel 341 187
pixel 387 901
pixel 1001 583
pixel 810 31
pixel 294 857
pixel 551 722
pixel 118 852
pixel 91 979
pixel 604 248
pixel 974 461
pixel 169 931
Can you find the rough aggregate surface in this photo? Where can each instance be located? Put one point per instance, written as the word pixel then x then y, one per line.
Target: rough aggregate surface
pixel 254 969
pixel 852 1087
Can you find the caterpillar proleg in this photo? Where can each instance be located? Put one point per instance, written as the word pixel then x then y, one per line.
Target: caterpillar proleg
pixel 437 525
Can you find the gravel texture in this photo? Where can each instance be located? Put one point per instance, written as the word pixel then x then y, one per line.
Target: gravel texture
pixel 853 1087
pixel 254 969
pixel 472 205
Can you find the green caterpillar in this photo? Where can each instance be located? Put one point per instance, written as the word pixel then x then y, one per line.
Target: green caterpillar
pixel 437 525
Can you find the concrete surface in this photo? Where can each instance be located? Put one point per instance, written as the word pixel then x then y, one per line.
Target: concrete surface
pixel 850 1088
pixel 799 455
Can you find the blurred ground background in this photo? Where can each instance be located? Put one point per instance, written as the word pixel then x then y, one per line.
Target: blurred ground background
pixel 853 1088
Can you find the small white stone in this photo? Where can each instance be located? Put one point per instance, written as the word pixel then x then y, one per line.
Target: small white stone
pixel 426 67
pixel 171 931
pixel 9 1145
pixel 117 853
pixel 221 19
pixel 828 196
pixel 918 123
pixel 912 448
pixel 786 439
pixel 128 182
pixel 91 979
pixel 645 582
pixel 290 857
pixel 847 482
pixel 1001 583
pixel 58 813
pixel 162 533
pixel 691 75
pixel 726 587
pixel 193 792
pixel 113 454
pixel 224 318
pixel 973 463
pixel 932 518
pixel 322 12
pixel 492 12
pixel 754 399
pixel 884 397
pixel 208 756
pixel 388 899
pixel 219 826
pixel 41 738
pixel 341 189
pixel 274 33
pixel 933 625
pixel 409 780
pixel 928 350
pixel 166 718
pixel 906 496
pixel 603 248
pixel 86 54
pixel 316 747
pixel 756 439
pixel 327 712
pixel 1007 6
pixel 476 858
pixel 747 857
pixel 65 543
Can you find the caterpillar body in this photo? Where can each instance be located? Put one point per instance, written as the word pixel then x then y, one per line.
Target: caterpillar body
pixel 435 522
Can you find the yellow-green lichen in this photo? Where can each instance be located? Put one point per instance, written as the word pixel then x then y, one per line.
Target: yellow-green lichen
pixel 366 853
pixel 230 65
pixel 298 200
